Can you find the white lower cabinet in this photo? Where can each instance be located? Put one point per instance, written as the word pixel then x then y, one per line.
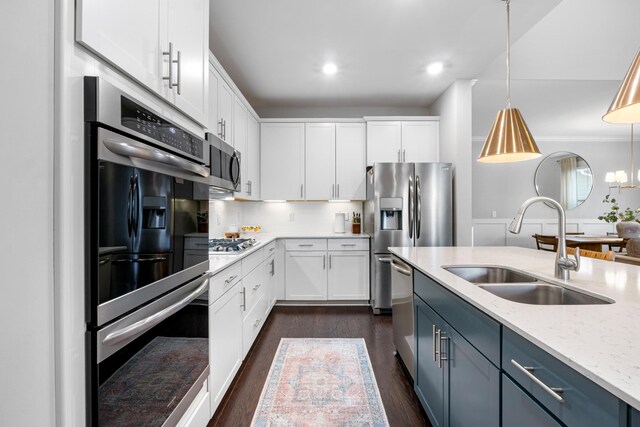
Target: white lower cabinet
pixel 225 342
pixel 306 275
pixel 270 282
pixel 348 275
pixel 338 272
pixel 252 324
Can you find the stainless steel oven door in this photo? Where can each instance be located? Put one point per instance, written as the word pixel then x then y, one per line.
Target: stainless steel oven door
pixel 147 367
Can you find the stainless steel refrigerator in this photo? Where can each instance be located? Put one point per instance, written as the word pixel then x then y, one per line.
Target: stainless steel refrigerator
pixel 408 204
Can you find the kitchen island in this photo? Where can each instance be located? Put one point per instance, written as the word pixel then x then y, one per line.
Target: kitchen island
pixel 599 342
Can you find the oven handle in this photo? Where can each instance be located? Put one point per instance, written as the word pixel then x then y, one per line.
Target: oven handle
pixel 141 326
pixel 132 148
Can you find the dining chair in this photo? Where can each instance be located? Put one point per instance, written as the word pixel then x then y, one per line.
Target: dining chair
pixel 606 256
pixel 616 247
pixel 546 243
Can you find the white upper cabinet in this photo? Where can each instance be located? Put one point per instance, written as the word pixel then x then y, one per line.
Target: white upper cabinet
pixel 163 44
pixel 282 164
pixel 188 31
pixel 320 161
pixel 403 141
pixel 212 113
pixel 350 161
pixel 384 142
pixel 240 143
pixel 252 158
pixel 420 141
pixel 125 33
pixel 225 111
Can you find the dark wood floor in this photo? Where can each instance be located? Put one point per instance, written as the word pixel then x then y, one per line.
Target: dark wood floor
pixel 400 402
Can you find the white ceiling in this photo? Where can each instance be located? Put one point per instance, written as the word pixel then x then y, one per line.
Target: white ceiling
pixel 566 70
pixel 568 56
pixel 274 49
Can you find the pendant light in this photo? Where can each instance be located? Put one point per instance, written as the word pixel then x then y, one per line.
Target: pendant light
pixel 509 139
pixel 625 107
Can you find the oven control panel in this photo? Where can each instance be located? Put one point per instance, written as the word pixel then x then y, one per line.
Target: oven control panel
pixel 143 121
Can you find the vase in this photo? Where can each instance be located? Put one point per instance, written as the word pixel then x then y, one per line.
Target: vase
pixel 628 229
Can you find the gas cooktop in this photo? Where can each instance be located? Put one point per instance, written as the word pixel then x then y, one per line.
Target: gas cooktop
pixel 231 246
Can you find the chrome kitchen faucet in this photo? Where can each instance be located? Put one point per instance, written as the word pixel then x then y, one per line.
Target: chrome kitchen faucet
pixel 564 264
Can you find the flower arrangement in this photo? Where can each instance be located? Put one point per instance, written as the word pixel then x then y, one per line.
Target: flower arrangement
pixel 615 214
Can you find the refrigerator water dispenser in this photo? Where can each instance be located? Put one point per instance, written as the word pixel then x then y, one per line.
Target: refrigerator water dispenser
pixel 391 213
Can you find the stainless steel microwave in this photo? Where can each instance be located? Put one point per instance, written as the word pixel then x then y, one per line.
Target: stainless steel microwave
pixel 225 165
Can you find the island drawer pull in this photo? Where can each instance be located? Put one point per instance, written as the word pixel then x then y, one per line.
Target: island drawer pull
pixel 231 279
pixel 527 370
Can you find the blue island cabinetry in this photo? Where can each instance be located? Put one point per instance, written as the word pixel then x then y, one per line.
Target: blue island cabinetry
pixel 472 371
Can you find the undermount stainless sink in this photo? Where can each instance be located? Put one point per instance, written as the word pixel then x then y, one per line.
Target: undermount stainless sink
pixel 519 287
pixel 482 274
pixel 542 294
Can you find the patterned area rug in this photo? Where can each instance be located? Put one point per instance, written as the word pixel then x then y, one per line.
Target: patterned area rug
pixel 320 382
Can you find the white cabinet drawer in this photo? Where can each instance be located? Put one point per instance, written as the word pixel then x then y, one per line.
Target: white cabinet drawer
pixel 348 244
pixel 253 288
pixel 269 250
pixel 223 281
pixel 251 262
pixel 306 244
pixel 251 326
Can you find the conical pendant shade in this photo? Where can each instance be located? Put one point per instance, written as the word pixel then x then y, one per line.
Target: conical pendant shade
pixel 625 107
pixel 509 140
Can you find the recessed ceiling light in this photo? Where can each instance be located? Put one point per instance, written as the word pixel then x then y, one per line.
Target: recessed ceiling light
pixel 329 68
pixel 435 68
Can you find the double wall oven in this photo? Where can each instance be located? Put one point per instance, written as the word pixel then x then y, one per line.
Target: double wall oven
pixel 147 182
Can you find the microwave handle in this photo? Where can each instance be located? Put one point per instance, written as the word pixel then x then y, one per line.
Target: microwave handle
pixel 131 148
pixel 134 330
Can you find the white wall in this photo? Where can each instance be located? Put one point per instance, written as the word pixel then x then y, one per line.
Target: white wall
pixel 454 109
pixel 276 217
pixel 502 187
pixel 26 223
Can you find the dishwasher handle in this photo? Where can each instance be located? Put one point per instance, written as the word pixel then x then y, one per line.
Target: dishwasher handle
pixel 402 269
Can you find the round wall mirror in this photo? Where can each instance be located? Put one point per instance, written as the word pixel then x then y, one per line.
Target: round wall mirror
pixel 565 177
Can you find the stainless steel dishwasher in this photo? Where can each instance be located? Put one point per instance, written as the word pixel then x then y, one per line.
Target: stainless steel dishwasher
pixel 402 312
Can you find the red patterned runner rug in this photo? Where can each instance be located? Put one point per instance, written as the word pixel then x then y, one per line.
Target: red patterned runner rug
pixel 320 382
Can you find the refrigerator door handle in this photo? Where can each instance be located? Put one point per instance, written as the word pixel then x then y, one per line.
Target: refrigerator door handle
pixel 129 207
pixel 411 202
pixel 418 206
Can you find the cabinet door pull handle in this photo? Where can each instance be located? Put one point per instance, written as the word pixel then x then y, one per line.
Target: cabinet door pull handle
pixel 324 262
pixel 179 84
pixel 528 371
pixel 333 191
pixel 256 287
pixel 399 155
pixel 404 155
pixel 330 262
pixel 271 249
pixel 244 299
pixel 230 279
pixel 302 191
pixel 170 55
pixel 348 244
pixel 305 245
pixel 257 322
pixel 220 126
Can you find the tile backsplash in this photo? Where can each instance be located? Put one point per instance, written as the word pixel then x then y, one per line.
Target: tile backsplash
pixel 278 217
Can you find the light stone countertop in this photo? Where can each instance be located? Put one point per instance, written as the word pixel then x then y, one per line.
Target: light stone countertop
pixel 602 342
pixel 219 262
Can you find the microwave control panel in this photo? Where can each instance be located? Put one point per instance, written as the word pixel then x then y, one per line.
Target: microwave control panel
pixel 143 121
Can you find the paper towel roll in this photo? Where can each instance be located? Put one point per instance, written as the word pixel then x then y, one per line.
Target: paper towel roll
pixel 338 223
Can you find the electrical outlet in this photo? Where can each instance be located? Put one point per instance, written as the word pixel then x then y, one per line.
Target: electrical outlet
pixel 494 214
pixel 291 217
